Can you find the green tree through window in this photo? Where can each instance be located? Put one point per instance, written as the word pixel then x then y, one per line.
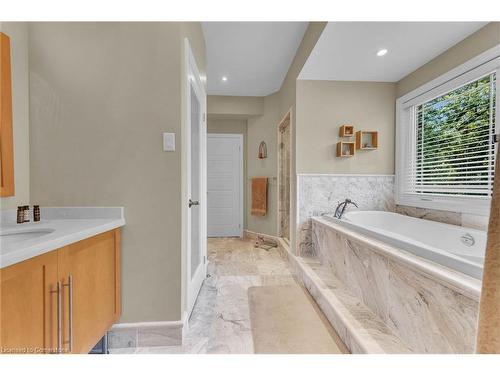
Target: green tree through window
pixel 454 141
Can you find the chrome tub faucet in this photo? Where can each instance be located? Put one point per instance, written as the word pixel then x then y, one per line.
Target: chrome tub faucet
pixel 339 211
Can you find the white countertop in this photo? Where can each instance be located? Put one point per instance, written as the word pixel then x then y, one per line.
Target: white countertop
pixel 59 226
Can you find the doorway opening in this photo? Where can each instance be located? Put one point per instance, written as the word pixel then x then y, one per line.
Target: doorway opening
pixel 284 175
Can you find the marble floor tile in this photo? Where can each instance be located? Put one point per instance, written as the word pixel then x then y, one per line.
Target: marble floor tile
pixel 220 321
pixel 123 350
pixel 160 350
pixel 123 338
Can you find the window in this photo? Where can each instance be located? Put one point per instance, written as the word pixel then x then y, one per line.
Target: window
pixel 446 142
pixel 454 142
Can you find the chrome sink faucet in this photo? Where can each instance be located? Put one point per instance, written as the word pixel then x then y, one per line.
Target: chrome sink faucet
pixel 339 211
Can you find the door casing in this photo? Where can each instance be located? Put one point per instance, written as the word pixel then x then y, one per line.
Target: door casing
pixel 192 282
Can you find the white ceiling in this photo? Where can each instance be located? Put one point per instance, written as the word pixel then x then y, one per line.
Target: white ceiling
pixel 346 51
pixel 254 56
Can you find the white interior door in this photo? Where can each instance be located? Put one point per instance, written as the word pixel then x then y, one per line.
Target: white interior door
pixel 196 182
pixel 225 185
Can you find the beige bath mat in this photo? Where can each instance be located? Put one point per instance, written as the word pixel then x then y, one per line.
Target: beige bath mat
pixel 285 320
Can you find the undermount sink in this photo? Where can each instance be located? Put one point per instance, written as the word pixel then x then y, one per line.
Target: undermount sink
pixel 11 236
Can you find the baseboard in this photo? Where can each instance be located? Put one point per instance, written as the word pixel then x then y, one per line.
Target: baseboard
pixel 139 334
pixel 185 325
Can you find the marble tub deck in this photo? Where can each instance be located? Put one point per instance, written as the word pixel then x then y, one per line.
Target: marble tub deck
pixel 220 322
pixel 383 300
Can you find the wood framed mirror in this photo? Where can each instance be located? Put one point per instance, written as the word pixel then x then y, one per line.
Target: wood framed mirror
pixel 6 137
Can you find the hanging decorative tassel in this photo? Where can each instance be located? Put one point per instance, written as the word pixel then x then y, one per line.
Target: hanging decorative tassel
pixel 262 150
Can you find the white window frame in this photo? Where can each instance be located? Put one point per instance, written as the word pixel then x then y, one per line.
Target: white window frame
pixel 487 62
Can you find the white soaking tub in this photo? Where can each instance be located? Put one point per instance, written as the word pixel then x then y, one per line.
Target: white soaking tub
pixel 452 246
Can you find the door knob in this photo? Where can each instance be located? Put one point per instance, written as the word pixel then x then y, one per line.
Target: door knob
pixel 193 203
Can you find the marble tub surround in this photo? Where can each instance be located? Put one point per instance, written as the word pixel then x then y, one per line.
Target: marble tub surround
pixel 362 331
pixel 59 226
pixel 359 328
pixel 431 309
pixel 448 217
pixel 319 194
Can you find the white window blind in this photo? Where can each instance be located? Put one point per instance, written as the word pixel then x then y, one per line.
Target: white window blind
pixel 453 147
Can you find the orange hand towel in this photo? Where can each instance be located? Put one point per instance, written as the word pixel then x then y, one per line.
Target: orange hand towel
pixel 259 196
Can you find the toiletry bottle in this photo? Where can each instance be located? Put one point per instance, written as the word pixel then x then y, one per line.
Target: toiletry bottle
pixel 26 214
pixel 20 214
pixel 36 213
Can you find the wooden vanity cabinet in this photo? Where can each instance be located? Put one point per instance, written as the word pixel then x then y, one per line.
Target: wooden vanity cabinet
pixel 28 306
pixel 88 273
pixel 92 265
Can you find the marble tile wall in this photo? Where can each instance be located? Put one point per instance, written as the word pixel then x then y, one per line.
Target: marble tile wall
pixel 448 217
pixel 427 314
pixel 320 194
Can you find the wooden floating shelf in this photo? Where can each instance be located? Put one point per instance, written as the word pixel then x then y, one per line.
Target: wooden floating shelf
pixel 345 149
pixel 366 140
pixel 346 131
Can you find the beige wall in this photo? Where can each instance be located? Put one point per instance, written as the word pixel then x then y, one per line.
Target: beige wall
pixel 264 128
pixel 18 33
pixel 234 106
pixel 323 106
pixel 264 115
pixel 101 96
pixel 289 99
pixel 234 126
pixel 482 40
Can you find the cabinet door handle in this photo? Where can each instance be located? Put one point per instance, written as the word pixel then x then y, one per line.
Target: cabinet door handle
pixel 59 317
pixel 69 284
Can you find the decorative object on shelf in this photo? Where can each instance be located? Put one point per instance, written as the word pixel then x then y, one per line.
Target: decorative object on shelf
pixel 366 140
pixel 262 150
pixel 346 131
pixel 345 149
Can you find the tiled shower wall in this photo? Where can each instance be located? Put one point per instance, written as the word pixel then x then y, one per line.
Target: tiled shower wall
pixel 320 194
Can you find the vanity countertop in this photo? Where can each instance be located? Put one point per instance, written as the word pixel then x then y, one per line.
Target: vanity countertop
pixel 59 226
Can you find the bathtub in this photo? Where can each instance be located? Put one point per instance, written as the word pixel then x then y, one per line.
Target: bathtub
pixel 459 248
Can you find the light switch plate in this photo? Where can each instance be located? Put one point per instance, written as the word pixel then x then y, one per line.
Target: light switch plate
pixel 168 141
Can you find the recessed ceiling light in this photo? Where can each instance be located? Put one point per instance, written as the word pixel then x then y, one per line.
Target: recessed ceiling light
pixel 224 78
pixel 382 52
